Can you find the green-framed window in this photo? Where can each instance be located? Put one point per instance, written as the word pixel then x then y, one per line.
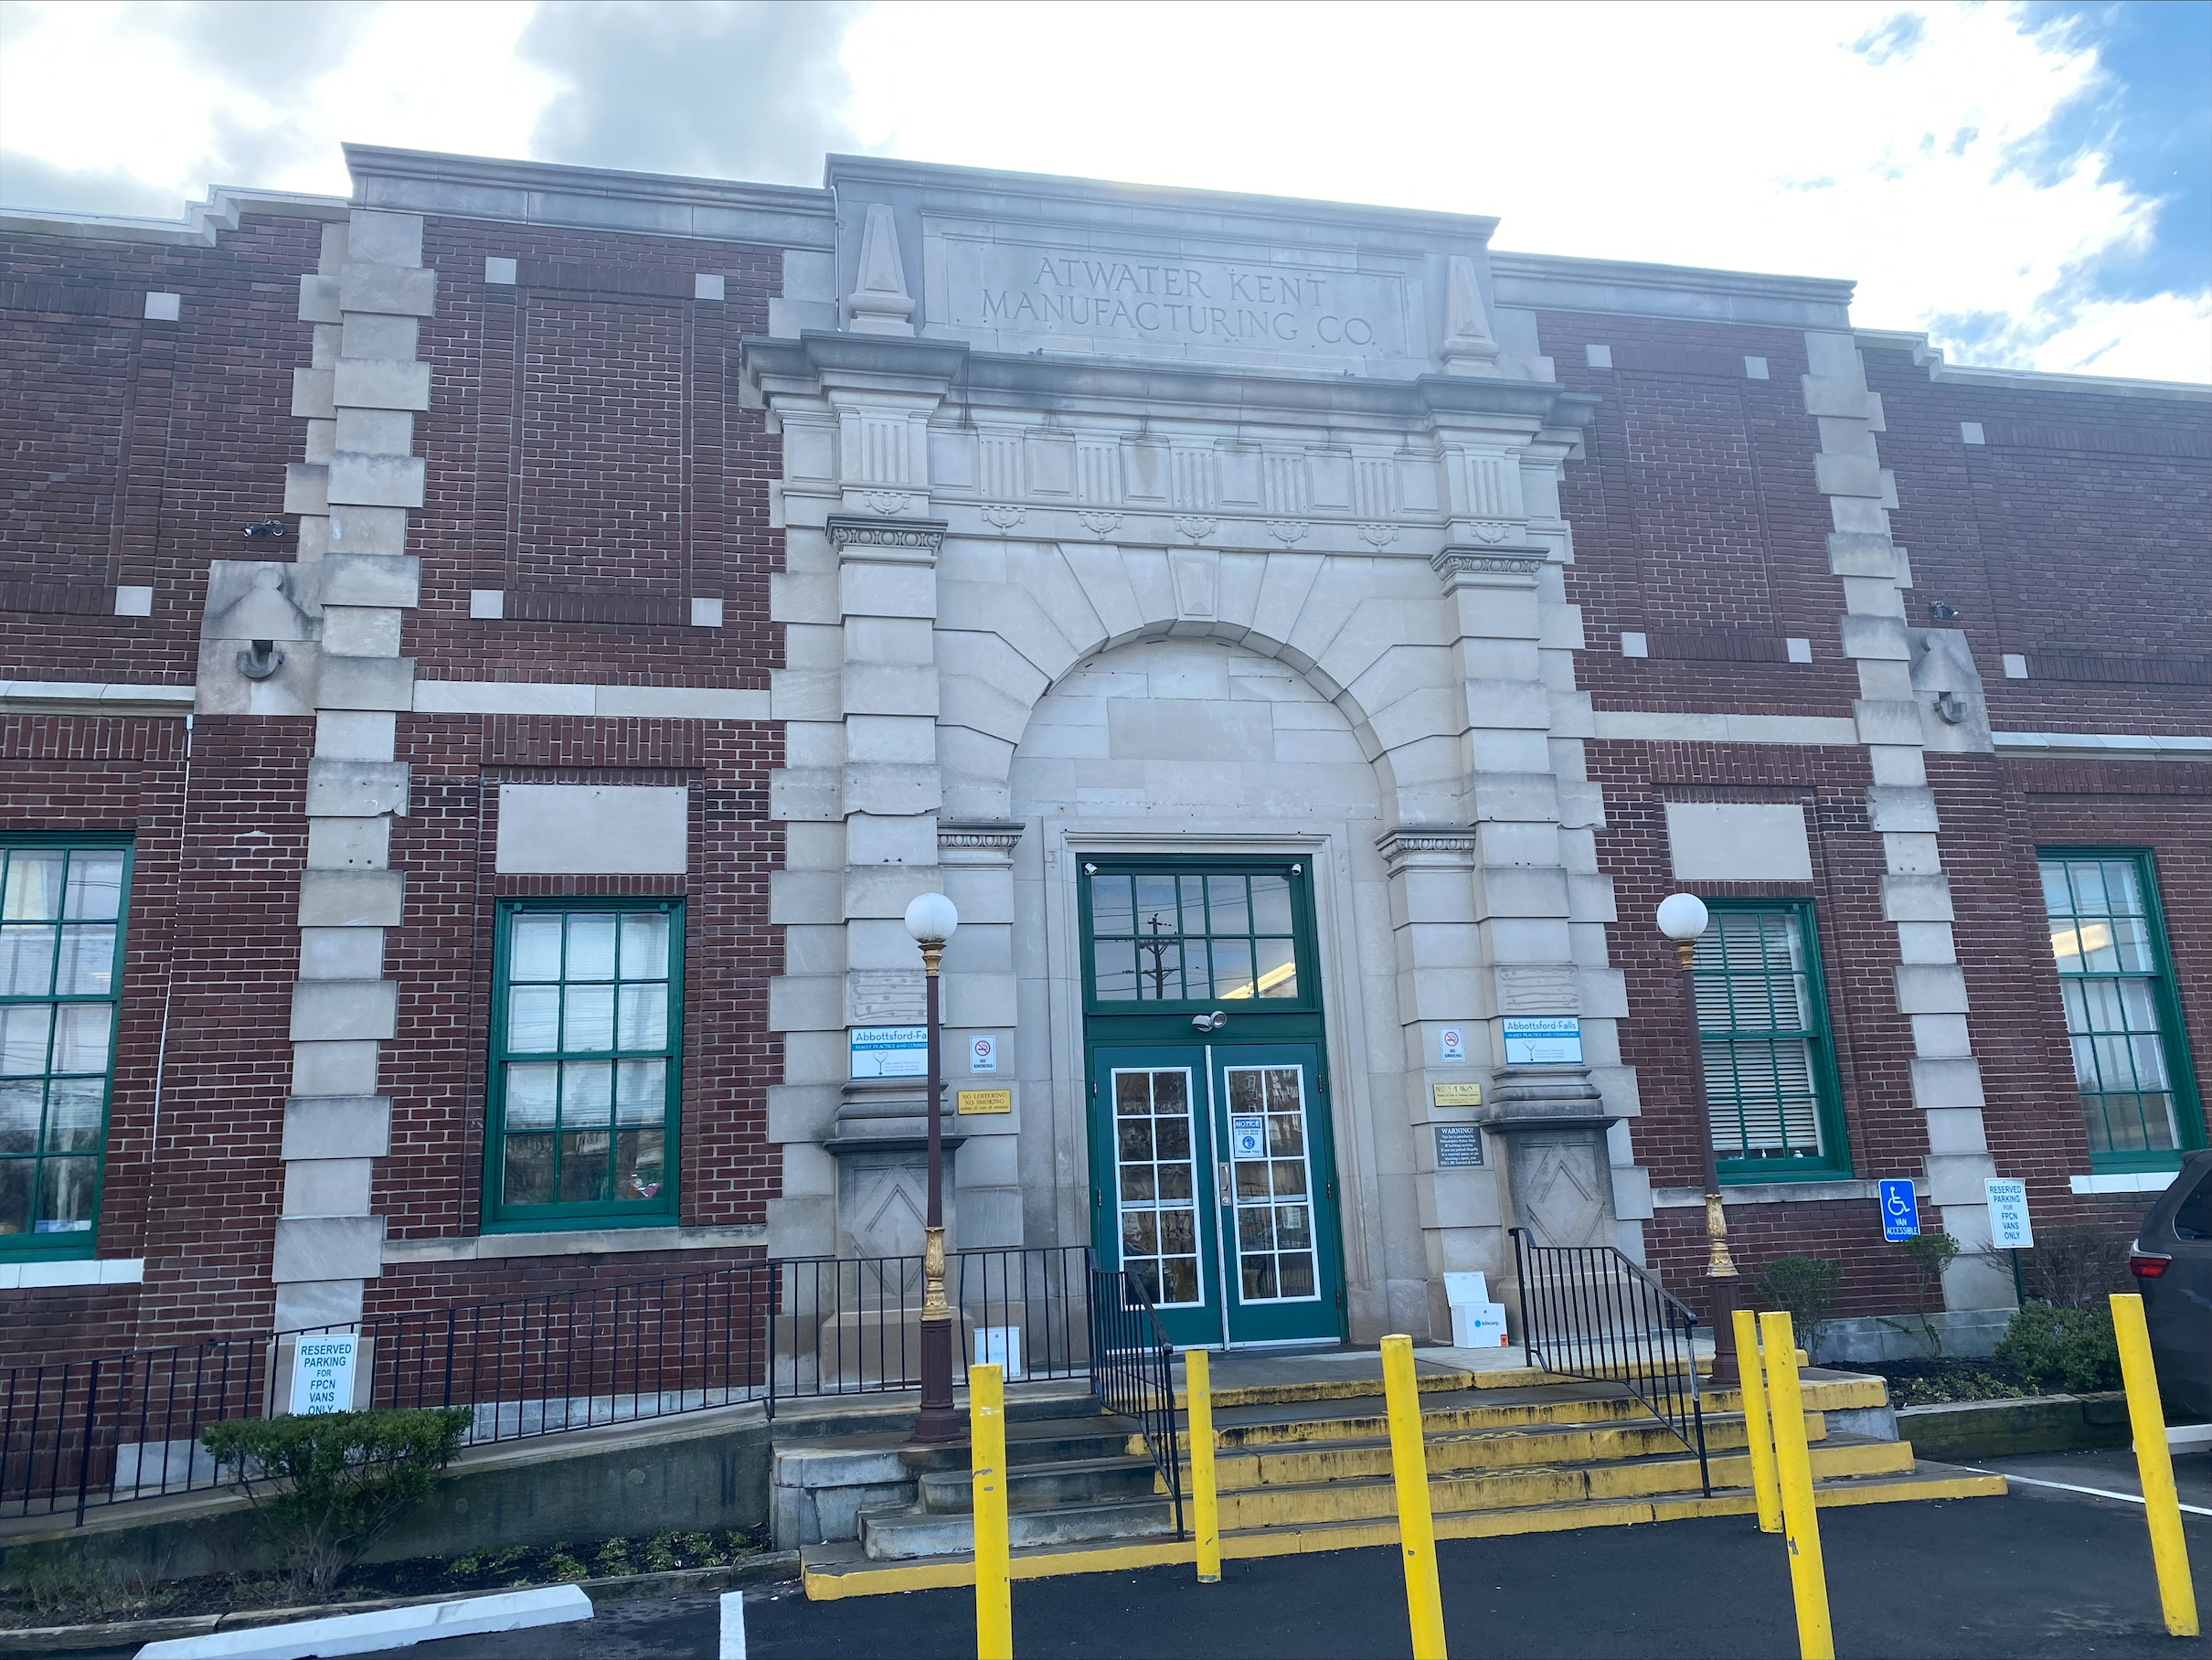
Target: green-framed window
pixel 1762 1030
pixel 2131 1065
pixel 62 904
pixel 1198 933
pixel 586 1049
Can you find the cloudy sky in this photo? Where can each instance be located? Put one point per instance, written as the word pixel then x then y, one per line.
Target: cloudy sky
pixel 2031 184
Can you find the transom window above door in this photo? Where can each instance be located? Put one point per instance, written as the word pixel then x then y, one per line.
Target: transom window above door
pixel 1226 933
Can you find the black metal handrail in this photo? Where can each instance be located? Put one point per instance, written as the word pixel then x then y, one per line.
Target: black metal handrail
pixel 1586 1311
pixel 1132 1370
pixel 79 1434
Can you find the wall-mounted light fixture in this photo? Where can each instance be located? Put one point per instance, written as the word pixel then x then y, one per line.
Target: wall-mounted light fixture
pixel 1942 613
pixel 264 530
pixel 260 660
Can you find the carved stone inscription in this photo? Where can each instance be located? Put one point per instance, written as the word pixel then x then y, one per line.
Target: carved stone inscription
pixel 1191 301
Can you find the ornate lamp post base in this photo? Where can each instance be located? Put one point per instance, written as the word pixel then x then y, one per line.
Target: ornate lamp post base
pixel 937 1420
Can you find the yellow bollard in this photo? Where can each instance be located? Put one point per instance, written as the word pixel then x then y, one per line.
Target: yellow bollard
pixel 1794 1474
pixel 1197 1385
pixel 1756 1426
pixel 2154 1464
pixel 987 1463
pixel 1416 1529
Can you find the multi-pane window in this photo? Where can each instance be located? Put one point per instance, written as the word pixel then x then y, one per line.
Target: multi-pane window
pixel 61 911
pixel 1762 1030
pixel 586 1049
pixel 2120 1013
pixel 1169 937
pixel 1274 1205
pixel 1157 1182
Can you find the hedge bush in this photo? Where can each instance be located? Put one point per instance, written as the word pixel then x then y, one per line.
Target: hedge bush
pixel 328 1485
pixel 2061 1350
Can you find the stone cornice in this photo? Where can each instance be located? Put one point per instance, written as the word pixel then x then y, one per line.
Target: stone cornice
pixel 821 359
pixel 602 199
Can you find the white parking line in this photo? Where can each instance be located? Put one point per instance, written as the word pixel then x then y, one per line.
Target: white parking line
pixel 733 1625
pixel 2129 1498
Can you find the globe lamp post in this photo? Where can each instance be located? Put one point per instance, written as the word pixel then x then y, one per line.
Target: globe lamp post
pixel 932 919
pixel 1682 919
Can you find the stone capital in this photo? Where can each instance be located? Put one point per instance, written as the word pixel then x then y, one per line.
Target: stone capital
pixel 905 541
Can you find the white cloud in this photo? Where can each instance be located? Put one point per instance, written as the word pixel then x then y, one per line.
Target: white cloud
pixel 1899 146
pixel 143 107
pixel 1741 136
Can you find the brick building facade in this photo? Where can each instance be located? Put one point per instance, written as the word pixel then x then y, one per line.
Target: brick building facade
pixel 499 654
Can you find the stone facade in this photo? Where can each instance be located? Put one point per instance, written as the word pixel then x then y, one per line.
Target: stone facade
pixel 793 552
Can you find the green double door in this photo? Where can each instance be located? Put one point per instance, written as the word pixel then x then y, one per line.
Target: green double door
pixel 1212 1178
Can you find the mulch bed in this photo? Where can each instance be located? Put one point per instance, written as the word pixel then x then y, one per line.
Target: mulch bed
pixel 1928 1383
pixel 84 1597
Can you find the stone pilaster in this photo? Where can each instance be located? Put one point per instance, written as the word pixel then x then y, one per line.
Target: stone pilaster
pixel 1930 987
pixel 359 397
pixel 976 861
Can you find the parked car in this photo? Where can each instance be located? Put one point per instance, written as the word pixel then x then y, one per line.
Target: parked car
pixel 2172 1262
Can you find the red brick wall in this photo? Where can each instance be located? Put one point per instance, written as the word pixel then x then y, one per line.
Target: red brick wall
pixel 135 451
pixel 585 437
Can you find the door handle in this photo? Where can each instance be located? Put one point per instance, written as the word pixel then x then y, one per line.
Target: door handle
pixel 1227 1183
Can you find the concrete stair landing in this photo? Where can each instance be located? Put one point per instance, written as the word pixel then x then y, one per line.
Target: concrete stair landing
pixel 1302 1464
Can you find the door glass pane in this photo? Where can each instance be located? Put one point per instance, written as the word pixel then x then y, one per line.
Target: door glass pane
pixel 1155 1184
pixel 1267 1143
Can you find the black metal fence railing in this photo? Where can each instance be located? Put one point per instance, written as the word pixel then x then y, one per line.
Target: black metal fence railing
pixel 76 1435
pixel 1132 1370
pixel 1586 1311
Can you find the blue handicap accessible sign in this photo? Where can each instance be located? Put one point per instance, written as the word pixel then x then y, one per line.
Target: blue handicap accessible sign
pixel 1901 1212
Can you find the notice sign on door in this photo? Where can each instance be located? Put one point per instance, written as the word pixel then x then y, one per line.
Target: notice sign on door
pixel 1248 1137
pixel 1536 1040
pixel 323 1375
pixel 2008 1224
pixel 890 1051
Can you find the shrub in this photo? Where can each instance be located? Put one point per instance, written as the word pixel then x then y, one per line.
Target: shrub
pixel 2076 1264
pixel 2068 1350
pixel 1807 1288
pixel 1930 1254
pixel 327 1485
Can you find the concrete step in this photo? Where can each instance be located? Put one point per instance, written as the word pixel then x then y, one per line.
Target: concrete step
pixel 1308 1503
pixel 833 1571
pixel 1558 1402
pixel 1046 1486
pixel 1458 1452
pixel 905 1536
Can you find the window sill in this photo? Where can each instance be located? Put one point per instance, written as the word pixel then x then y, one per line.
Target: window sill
pixel 2123 1181
pixel 1808 1190
pixel 33 1273
pixel 571 1242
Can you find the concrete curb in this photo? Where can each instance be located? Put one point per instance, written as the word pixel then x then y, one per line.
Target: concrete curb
pixel 770 1567
pixel 385 1628
pixel 1972 1431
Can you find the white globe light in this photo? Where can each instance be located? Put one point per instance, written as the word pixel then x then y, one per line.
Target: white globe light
pixel 1682 916
pixel 932 919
